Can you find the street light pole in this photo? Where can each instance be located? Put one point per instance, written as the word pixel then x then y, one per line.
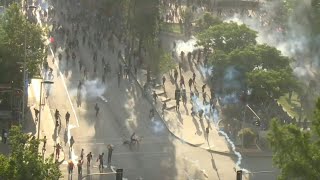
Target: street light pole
pixel 40 109
pixel 244 118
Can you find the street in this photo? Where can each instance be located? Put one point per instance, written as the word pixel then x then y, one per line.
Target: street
pixel 123 111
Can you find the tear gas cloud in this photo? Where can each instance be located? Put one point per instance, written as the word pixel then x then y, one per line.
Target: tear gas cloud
pixel 187 46
pixel 91 89
pixel 293 42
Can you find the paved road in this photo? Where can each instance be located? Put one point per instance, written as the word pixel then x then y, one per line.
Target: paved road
pixel 160 156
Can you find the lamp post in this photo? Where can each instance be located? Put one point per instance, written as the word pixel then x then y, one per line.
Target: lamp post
pixel 39 121
pixel 24 67
pixel 242 125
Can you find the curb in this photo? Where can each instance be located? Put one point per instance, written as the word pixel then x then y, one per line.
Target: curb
pixel 154 107
pixel 262 154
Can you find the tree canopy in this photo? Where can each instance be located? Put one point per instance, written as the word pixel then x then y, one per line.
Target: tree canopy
pixel 15 30
pixel 166 62
pixel 296 152
pixel 265 71
pixel 227 37
pixel 206 21
pixel 24 162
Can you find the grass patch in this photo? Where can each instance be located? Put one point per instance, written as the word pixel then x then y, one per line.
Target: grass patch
pixel 293 106
pixel 171 27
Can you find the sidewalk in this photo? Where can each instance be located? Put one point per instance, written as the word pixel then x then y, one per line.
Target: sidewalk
pixel 184 126
pixel 47 122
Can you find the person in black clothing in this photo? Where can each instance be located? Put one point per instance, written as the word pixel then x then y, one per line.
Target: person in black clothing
pixel 155 97
pixel 67 118
pixel 36 112
pixel 100 159
pixel 175 75
pixel 203 87
pixel 57 114
pixel 190 82
pixel 110 150
pixel 96 107
pixel 89 157
pixel 163 80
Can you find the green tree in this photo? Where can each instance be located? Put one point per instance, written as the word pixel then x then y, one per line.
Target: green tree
pixel 15 30
pixel 315 17
pixel 206 21
pixel 270 84
pixel 24 162
pixel 166 63
pixel 263 56
pixel 227 37
pixel 247 136
pixel 187 17
pixel 264 69
pixel 296 152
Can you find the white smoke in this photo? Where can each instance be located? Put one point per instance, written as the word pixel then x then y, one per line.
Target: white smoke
pixel 93 89
pixel 293 42
pixel 187 46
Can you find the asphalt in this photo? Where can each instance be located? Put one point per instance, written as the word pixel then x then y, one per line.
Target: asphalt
pixel 125 112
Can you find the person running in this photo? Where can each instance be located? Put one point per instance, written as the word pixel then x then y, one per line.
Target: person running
pixel 81 154
pixel 100 159
pixel 155 97
pixel 58 147
pixel 96 107
pixel 80 162
pixel 71 142
pixel 36 112
pixel 175 74
pixel 204 87
pixel 163 80
pixel 190 82
pixel 57 114
pixel 182 81
pixel 67 118
pixel 44 142
pixel 70 167
pixel 89 158
pixel 110 150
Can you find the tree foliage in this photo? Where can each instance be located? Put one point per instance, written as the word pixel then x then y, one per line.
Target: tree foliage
pixel 248 136
pixel 24 161
pixel 266 84
pixel 296 152
pixel 315 17
pixel 266 72
pixel 206 21
pixel 227 37
pixel 166 63
pixel 143 18
pixel 14 31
